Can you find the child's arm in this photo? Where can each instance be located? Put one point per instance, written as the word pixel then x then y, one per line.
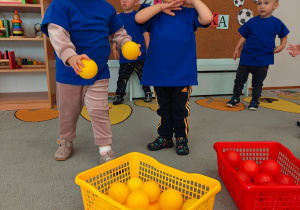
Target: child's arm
pixel 295 49
pixel 115 51
pixel 205 16
pixel 238 47
pixel 147 13
pixel 120 37
pixel 64 48
pixel 279 48
pixel 147 39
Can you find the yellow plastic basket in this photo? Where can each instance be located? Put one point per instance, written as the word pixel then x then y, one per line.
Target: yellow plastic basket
pixel 94 183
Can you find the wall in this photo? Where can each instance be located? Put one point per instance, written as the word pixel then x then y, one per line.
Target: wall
pixel 284 73
pixel 286 70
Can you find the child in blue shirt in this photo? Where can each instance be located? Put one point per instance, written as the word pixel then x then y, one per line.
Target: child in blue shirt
pixel 171 65
pixel 258 41
pixel 140 36
pixel 80 30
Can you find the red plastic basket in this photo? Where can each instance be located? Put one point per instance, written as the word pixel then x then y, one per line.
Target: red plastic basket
pixel 249 197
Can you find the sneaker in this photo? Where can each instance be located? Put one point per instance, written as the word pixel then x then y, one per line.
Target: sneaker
pixel 108 156
pixel 64 150
pixel 181 146
pixel 234 101
pixel 160 143
pixel 253 105
pixel 298 123
pixel 148 97
pixel 118 100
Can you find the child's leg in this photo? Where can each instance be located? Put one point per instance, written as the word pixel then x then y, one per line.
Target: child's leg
pixel 96 101
pixel 125 72
pixel 69 104
pixel 180 113
pixel 165 126
pixel 181 110
pixel 240 80
pixel 259 74
pixel 164 100
pixel 138 68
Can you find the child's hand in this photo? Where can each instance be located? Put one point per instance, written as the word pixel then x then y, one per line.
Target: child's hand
pixel 235 54
pixel 169 7
pixel 278 49
pixel 75 60
pixel 295 49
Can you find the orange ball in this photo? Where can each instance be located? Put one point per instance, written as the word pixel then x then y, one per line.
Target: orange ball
pixel 119 192
pixel 138 199
pixel 89 70
pixel 171 199
pixel 130 50
pixel 152 189
pixel 134 183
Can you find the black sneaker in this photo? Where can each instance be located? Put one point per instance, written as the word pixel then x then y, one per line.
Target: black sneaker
pixel 181 146
pixel 253 105
pixel 118 100
pixel 148 97
pixel 298 123
pixel 160 143
pixel 234 101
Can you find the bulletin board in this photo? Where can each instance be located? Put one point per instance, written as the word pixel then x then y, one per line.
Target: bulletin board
pixel 212 42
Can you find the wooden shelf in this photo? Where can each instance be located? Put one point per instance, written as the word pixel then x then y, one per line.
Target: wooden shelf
pixel 21 39
pixel 22 8
pixel 36 100
pixel 32 100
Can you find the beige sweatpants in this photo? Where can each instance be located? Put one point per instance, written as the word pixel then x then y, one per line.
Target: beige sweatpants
pixel 70 100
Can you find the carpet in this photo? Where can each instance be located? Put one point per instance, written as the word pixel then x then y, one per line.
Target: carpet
pixel 219 104
pixel 277 104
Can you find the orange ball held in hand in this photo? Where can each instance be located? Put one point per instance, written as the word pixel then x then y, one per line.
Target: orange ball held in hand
pixel 131 50
pixel 89 70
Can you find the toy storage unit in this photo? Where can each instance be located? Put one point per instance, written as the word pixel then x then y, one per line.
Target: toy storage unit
pixel 94 183
pixel 14 82
pixel 250 197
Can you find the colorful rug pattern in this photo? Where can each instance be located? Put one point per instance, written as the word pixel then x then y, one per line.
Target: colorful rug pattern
pixel 37 115
pixel 152 105
pixel 219 104
pixel 117 113
pixel 277 104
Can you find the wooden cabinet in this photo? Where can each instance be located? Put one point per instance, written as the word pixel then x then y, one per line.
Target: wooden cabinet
pixel 29 100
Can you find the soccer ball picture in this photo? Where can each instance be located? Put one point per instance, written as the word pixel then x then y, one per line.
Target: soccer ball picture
pixel 238 3
pixel 255 1
pixel 244 15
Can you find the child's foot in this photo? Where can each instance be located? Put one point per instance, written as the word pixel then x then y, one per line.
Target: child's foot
pixel 181 146
pixel 253 105
pixel 107 156
pixel 148 97
pixel 160 143
pixel 64 150
pixel 234 101
pixel 118 100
